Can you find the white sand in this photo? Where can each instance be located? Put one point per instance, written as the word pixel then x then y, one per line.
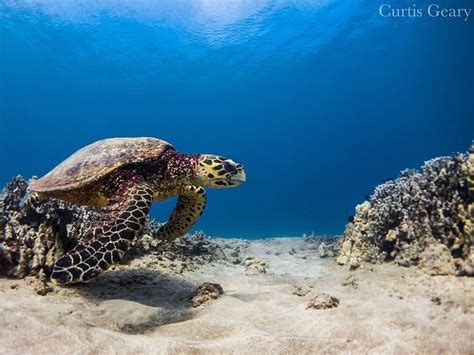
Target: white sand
pixel 139 308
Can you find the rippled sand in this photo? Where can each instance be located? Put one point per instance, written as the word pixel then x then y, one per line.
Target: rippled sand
pixel 144 308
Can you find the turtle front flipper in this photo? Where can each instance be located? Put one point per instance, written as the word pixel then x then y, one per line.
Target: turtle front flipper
pixel 112 238
pixel 191 204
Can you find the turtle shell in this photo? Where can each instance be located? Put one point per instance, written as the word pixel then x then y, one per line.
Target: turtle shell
pixel 98 159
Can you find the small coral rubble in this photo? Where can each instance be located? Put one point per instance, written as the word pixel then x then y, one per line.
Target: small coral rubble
pixel 205 293
pixel 301 291
pixel 422 218
pixel 322 301
pixel 187 253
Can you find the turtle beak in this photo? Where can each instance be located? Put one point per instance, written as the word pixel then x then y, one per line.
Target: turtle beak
pixel 240 176
pixel 237 173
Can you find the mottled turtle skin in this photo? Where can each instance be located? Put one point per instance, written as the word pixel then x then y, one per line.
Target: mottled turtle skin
pixel 122 177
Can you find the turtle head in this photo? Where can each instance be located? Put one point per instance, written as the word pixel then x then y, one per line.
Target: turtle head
pixel 220 172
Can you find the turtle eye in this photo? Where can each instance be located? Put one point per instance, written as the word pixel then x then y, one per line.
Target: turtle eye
pixel 230 167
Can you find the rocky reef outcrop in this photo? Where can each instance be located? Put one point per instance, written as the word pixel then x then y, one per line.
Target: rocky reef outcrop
pixel 422 218
pixel 31 239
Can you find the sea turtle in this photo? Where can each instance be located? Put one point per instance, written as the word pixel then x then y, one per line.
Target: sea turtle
pixel 122 177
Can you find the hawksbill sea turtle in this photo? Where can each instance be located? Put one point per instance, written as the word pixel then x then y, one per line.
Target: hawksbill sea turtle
pixel 122 177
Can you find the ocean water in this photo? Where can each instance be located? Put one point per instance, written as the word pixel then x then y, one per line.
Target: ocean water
pixel 320 100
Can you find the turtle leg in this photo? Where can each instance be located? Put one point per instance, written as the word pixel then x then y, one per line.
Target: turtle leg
pixel 30 199
pixel 112 237
pixel 191 203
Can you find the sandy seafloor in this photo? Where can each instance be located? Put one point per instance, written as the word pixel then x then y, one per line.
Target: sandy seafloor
pixel 144 308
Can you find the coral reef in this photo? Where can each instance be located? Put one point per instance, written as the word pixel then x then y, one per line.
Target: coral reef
pixel 421 218
pixel 32 238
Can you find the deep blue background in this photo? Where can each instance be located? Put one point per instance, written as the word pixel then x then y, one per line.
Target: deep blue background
pixel 320 100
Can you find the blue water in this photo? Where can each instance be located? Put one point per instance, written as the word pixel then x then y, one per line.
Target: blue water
pixel 320 100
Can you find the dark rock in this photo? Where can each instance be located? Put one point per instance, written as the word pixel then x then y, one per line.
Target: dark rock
pixel 300 291
pixel 205 293
pixel 436 300
pixel 323 301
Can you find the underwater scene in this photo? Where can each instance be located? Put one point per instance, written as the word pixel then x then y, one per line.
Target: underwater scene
pixel 236 176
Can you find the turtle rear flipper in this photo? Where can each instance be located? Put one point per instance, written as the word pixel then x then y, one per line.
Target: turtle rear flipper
pixel 111 240
pixel 30 199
